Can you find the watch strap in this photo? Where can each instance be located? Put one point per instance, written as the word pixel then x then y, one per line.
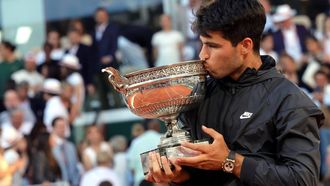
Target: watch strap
pixel 231 155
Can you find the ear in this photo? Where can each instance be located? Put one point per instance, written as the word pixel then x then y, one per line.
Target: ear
pixel 246 46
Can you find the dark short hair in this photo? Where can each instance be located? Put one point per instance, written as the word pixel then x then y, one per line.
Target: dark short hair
pixel 9 45
pixel 101 9
pixel 55 120
pixel 233 19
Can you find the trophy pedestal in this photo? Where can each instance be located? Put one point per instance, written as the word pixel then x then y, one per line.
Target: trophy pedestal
pixel 171 148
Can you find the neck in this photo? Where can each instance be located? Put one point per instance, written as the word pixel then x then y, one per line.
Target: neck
pixel 252 61
pixel 10 58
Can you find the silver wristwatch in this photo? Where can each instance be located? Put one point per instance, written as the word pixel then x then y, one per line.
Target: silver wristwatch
pixel 229 164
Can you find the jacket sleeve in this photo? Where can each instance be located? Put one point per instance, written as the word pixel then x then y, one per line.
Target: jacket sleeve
pixel 297 157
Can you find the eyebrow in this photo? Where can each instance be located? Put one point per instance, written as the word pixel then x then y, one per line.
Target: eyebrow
pixel 211 43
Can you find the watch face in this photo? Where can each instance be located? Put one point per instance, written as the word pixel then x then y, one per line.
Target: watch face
pixel 228 166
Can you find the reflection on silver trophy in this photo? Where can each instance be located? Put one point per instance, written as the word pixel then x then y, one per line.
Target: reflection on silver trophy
pixel 163 92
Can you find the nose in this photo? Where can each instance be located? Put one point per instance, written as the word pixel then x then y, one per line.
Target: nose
pixel 203 54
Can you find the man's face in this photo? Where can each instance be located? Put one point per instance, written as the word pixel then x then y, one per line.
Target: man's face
pixel 101 17
pixel 221 58
pixel 59 128
pixel 74 37
pixel 17 119
pixel 11 100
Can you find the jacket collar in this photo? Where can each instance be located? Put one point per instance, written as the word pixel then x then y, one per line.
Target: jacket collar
pixel 252 76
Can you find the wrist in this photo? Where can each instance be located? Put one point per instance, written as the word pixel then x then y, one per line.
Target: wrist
pixel 238 165
pixel 233 163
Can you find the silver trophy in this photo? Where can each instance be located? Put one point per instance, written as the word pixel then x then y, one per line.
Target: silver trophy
pixel 163 92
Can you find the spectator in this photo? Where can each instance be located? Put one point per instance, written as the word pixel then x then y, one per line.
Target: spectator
pixel 6 170
pixel 186 16
pixel 56 52
pixel 288 67
pixel 44 165
pixel 105 46
pixel 12 102
pixel 101 173
pixel 22 149
pixel 65 153
pixel 119 145
pixel 289 37
pixel 315 58
pixel 54 106
pixel 322 94
pixel 96 144
pixel 8 66
pixel 145 142
pixel 69 67
pixel 29 74
pixel 267 46
pixel 324 36
pixel 49 67
pixel 136 130
pixel 77 25
pixel 269 26
pixel 17 123
pixel 167 43
pixel 83 53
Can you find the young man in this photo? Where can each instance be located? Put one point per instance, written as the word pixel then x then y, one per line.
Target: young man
pixel 263 129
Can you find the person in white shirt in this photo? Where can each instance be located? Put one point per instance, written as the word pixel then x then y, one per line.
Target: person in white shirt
pixel 69 71
pixel 145 142
pixel 96 144
pixel 12 102
pixel 167 43
pixel 29 74
pixel 54 106
pixel 53 38
pixel 101 173
pixel 290 37
pixel 17 123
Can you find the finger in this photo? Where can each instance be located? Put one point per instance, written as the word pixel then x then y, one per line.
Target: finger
pixel 211 132
pixel 177 167
pixel 188 152
pixel 195 146
pixel 167 167
pixel 155 169
pixel 189 161
pixel 159 161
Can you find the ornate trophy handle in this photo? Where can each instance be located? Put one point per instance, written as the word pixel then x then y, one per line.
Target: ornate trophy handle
pixel 119 82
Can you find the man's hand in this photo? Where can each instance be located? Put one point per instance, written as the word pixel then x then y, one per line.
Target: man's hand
pixel 211 155
pixel 160 170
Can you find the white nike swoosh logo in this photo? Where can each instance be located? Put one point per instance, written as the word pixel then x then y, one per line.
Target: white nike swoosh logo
pixel 246 115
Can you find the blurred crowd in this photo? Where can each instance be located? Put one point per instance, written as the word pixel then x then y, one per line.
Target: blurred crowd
pixel 43 91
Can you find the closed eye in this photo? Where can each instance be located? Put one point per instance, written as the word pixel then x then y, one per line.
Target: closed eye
pixel 212 45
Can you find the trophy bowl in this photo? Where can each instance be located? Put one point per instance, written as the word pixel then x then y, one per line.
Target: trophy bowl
pixel 163 92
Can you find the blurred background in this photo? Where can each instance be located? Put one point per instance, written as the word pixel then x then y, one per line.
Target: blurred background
pixel 63 124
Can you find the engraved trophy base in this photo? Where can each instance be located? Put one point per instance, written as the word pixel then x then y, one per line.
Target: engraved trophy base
pixel 171 148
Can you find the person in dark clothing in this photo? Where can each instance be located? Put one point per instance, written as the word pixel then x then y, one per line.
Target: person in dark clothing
pixel 104 47
pixel 262 129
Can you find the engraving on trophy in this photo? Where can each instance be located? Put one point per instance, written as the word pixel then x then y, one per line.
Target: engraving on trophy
pixel 163 92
